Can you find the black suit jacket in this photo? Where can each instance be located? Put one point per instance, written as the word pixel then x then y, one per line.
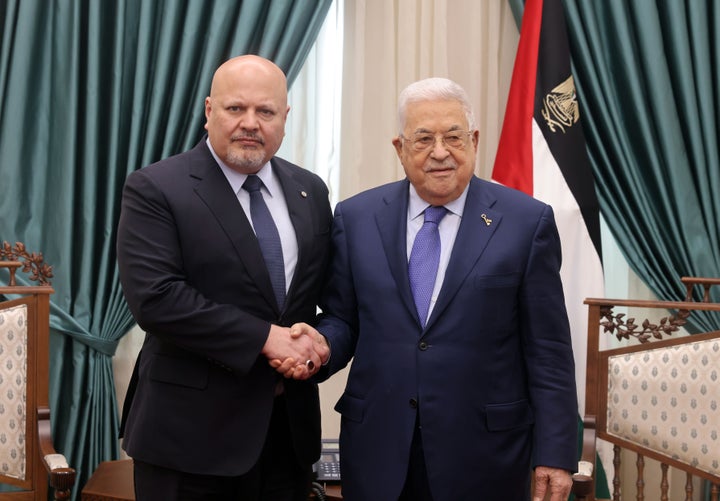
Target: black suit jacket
pixel 195 280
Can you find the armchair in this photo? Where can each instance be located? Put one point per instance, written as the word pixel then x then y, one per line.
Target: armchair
pixel 28 460
pixel 658 397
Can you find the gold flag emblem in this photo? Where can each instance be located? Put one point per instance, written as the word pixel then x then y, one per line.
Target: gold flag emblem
pixel 560 107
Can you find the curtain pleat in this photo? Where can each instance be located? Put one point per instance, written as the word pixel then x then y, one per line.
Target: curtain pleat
pixel 89 92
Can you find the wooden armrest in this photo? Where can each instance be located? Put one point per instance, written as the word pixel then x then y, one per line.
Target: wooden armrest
pixel 583 480
pixel 62 477
pixel 582 486
pixel 588 443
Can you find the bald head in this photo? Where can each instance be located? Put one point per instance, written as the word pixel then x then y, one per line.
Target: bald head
pixel 249 65
pixel 246 112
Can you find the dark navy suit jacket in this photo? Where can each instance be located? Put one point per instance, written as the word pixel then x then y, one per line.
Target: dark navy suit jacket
pixel 491 376
pixel 195 280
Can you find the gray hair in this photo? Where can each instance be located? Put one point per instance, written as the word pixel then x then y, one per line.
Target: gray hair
pixel 431 89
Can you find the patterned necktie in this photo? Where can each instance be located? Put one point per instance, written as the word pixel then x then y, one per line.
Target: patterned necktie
pixel 268 237
pixel 424 260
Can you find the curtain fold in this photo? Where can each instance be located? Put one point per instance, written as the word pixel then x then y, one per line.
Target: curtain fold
pixel 90 91
pixel 647 74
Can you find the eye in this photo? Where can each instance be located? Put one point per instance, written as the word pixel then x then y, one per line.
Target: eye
pixel 266 113
pixel 424 140
pixel 453 139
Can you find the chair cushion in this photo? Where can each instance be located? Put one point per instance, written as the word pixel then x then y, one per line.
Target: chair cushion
pixel 13 389
pixel 668 400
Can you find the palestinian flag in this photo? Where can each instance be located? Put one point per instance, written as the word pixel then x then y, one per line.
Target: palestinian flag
pixel 542 152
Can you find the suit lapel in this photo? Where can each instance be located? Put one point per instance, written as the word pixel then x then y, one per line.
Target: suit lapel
pixel 478 224
pixel 215 191
pixel 301 216
pixel 391 220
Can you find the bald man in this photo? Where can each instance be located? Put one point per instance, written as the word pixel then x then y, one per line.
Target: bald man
pixel 206 416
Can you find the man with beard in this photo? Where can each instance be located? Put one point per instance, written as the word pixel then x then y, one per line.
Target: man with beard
pixel 221 248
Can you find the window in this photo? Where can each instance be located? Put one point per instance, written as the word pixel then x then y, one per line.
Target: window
pixel 312 133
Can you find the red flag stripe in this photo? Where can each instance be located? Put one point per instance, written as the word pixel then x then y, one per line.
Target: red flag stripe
pixel 514 160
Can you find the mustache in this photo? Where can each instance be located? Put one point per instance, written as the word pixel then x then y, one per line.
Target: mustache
pixel 252 137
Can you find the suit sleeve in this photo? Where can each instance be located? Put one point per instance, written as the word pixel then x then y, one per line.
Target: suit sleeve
pixel 157 289
pixel 548 351
pixel 339 321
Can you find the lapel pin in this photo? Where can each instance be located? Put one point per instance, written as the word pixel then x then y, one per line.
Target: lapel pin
pixel 486 219
pixel 303 194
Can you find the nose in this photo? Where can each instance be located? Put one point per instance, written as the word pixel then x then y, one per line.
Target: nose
pixel 249 120
pixel 439 150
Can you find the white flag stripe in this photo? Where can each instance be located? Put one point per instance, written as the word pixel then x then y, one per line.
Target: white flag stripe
pixel 581 272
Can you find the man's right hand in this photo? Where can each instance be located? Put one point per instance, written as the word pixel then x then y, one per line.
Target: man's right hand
pixel 296 352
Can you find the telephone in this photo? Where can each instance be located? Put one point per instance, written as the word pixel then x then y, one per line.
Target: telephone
pixel 327 469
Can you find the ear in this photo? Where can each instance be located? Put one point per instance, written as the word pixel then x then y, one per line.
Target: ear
pixel 397 142
pixel 208 109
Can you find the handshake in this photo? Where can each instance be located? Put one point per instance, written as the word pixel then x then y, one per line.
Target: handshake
pixel 297 352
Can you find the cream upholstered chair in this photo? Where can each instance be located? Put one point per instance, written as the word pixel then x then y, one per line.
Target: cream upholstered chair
pixel 28 461
pixel 658 397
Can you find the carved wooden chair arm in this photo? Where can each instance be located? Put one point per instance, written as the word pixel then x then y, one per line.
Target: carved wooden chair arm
pixel 61 476
pixel 583 480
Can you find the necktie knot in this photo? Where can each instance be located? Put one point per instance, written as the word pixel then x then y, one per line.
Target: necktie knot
pixel 434 213
pixel 252 183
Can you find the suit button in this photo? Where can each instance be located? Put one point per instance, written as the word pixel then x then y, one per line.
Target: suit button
pixel 423 345
pixel 413 403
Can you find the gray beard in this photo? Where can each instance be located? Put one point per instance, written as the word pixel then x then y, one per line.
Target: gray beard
pixel 251 161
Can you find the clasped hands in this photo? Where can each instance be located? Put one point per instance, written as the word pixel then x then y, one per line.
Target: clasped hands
pixel 296 352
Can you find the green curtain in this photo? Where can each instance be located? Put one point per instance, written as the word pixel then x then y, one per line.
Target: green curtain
pixel 90 91
pixel 647 74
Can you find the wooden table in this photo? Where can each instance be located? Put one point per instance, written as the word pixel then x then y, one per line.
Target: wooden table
pixel 111 481
pixel 332 492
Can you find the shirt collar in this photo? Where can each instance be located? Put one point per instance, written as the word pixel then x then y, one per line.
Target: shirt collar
pixel 416 205
pixel 236 179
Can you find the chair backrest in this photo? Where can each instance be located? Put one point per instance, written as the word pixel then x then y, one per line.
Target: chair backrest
pixel 27 457
pixel 658 397
pixel 664 402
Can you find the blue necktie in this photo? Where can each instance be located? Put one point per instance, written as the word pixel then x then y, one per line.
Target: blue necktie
pixel 268 237
pixel 424 260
